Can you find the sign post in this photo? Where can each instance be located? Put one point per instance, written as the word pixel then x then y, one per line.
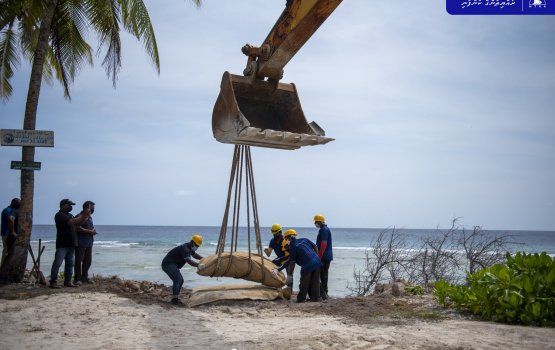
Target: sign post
pixel 26 138
pixel 18 165
pixel 33 138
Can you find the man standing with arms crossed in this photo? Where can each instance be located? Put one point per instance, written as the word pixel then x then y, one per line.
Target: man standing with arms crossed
pixel 325 252
pixel 66 241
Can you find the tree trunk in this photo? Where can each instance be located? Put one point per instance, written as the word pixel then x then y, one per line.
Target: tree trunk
pixel 14 269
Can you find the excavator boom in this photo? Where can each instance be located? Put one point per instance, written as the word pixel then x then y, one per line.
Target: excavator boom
pixel 256 109
pixel 295 26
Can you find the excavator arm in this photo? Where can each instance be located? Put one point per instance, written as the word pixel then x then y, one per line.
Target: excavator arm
pixel 256 108
pixel 297 23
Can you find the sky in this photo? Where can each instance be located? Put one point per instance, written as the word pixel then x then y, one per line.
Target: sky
pixel 434 116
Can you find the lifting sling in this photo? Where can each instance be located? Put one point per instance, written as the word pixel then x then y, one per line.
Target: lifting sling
pixel 250 265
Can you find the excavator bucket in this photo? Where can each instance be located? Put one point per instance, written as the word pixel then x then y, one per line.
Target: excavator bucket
pixel 257 113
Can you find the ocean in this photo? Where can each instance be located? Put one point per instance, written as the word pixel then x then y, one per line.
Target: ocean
pixel 135 252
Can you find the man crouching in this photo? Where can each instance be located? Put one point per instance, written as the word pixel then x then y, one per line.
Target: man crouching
pixel 176 259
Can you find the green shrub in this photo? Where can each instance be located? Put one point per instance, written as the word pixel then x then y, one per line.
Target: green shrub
pixel 415 290
pixel 521 291
pixel 441 291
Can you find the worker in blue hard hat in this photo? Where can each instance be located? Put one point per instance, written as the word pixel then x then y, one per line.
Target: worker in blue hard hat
pixel 176 259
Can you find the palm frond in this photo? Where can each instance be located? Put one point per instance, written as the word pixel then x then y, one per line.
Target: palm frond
pixel 136 20
pixel 8 60
pixel 47 69
pixel 197 3
pixel 69 49
pixel 28 27
pixel 104 16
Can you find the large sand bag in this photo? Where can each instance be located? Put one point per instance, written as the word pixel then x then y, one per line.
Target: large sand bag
pixel 240 266
pixel 206 295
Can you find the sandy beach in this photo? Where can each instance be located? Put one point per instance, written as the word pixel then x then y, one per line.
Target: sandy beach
pixel 117 314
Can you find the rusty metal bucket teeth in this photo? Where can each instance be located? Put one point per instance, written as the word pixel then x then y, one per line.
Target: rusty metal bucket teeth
pixel 257 113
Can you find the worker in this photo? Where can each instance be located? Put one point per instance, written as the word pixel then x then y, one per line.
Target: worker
pixel 325 252
pixel 176 259
pixel 283 262
pixel 304 253
pixel 276 245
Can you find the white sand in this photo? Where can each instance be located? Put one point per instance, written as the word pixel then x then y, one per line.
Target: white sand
pixel 107 321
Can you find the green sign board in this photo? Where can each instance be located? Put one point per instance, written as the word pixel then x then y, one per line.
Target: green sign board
pixel 25 165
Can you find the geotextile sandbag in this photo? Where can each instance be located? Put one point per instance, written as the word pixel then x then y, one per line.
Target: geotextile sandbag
pixel 238 265
pixel 206 295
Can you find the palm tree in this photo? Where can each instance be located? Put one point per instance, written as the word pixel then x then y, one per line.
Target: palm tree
pixel 51 34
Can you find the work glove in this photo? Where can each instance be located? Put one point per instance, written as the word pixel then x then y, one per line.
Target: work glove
pixel 289 280
pixel 201 267
pixel 268 251
pixel 275 272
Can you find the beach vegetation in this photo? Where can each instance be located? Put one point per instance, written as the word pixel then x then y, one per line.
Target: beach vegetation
pixel 522 291
pixel 384 255
pixel 442 255
pixel 441 290
pixel 414 290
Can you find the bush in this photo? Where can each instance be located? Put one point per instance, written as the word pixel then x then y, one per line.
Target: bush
pixel 414 290
pixel 520 291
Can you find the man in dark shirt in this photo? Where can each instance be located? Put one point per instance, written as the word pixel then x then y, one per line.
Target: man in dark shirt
pixel 83 252
pixel 9 227
pixel 176 259
pixel 66 241
pixel 275 245
pixel 325 252
pixel 304 253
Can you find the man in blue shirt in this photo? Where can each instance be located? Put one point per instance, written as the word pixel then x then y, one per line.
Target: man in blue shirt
pixel 176 259
pixel 304 253
pixel 9 229
pixel 325 252
pixel 83 252
pixel 276 245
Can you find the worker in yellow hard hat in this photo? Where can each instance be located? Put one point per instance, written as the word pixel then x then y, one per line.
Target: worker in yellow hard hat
pixel 325 252
pixel 304 253
pixel 284 261
pixel 275 245
pixel 177 258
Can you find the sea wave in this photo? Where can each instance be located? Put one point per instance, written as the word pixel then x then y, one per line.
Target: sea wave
pixel 44 241
pixel 114 244
pixel 405 250
pixel 351 248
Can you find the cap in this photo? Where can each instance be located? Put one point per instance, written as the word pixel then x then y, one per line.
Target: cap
pixel 66 201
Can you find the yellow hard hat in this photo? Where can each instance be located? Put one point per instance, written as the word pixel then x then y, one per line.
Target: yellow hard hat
pixel 197 239
pixel 290 232
pixel 319 217
pixel 276 229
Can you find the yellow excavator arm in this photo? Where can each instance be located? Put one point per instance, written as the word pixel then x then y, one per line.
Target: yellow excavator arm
pixel 256 108
pixel 297 23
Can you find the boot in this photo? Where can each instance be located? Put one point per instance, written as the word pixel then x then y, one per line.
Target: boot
pixel 54 285
pixel 177 302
